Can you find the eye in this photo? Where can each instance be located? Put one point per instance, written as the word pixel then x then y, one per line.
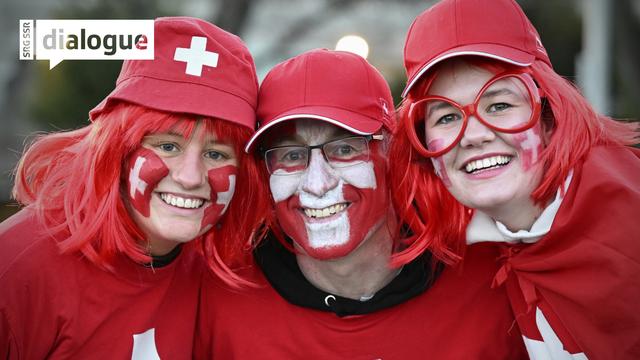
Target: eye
pixel 343 150
pixel 498 107
pixel 167 147
pixel 216 155
pixel 294 155
pixel 447 119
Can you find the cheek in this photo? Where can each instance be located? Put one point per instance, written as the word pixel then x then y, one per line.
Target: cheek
pixel 439 163
pixel 370 178
pixel 362 176
pixel 529 145
pixel 284 186
pixel 222 182
pixel 223 185
pixel 144 171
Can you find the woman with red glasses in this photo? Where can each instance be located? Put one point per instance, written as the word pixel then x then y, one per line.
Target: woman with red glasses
pixel 494 146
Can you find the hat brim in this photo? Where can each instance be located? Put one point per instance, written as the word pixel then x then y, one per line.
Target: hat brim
pixel 180 97
pixel 348 120
pixel 493 51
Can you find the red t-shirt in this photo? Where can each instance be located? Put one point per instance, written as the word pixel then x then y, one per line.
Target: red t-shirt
pixel 459 317
pixel 59 306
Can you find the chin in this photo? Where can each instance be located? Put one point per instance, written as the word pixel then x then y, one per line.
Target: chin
pixel 329 253
pixel 180 233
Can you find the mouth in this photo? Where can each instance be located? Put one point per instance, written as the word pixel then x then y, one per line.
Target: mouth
pixel 488 163
pixel 182 202
pixel 325 212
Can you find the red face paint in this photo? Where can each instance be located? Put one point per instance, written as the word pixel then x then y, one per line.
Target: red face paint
pixel 529 143
pixel 222 182
pixel 438 162
pixel 362 186
pixel 144 172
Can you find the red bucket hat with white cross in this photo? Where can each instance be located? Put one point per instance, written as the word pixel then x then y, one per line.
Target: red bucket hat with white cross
pixel 198 69
pixel 337 87
pixel 496 29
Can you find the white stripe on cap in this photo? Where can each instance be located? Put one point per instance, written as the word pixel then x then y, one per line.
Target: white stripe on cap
pixel 301 116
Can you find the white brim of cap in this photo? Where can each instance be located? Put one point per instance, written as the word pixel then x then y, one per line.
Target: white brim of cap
pixel 283 119
pixel 455 53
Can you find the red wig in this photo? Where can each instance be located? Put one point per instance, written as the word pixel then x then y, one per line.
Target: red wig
pixel 74 180
pixel 436 219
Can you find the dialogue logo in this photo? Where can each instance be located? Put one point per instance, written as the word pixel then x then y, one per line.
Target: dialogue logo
pixel 58 40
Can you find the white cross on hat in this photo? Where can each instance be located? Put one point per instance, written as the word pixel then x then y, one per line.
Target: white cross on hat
pixel 196 56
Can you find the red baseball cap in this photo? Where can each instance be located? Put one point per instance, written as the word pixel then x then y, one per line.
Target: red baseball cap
pixel 198 69
pixel 496 29
pixel 337 87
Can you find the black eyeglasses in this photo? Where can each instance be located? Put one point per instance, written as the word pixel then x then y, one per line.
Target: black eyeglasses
pixel 294 159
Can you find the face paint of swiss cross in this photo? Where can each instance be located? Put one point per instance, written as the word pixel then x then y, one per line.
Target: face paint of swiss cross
pixel 179 188
pixel 329 212
pixel 488 170
pixel 223 184
pixel 146 169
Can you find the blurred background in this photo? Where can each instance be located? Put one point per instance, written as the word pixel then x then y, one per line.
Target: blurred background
pixel 592 42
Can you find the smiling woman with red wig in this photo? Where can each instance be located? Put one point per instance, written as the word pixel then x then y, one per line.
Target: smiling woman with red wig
pixel 494 146
pixel 125 216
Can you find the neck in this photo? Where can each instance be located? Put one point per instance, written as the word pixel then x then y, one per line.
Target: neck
pixel 361 273
pixel 516 217
pixel 160 247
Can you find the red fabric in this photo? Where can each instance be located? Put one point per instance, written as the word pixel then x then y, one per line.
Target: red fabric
pixel 460 317
pixel 62 307
pixel 585 273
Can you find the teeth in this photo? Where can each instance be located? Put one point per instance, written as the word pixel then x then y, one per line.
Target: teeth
pixel 328 211
pixel 486 163
pixel 181 202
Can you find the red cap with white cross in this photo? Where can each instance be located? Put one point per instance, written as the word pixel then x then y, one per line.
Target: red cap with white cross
pixel 198 69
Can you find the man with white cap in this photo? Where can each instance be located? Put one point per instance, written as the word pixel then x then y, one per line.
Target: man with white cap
pixel 102 262
pixel 328 290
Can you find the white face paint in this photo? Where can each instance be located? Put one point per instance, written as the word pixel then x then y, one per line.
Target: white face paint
pixel 330 233
pixel 327 211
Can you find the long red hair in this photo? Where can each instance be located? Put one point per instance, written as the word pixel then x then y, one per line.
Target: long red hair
pixel 437 220
pixel 73 180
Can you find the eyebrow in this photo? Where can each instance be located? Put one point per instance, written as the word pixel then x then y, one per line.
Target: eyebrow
pixel 439 106
pixel 297 140
pixel 496 92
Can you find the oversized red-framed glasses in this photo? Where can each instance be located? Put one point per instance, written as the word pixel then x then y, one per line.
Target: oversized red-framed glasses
pixel 509 102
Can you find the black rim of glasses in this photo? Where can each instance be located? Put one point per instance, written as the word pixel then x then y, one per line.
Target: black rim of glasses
pixel 309 148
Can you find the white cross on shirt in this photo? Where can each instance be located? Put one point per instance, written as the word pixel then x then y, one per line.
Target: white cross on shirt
pixel 196 56
pixel 134 178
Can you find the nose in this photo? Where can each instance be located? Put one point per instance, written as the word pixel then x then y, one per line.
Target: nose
pixel 319 177
pixel 190 171
pixel 476 133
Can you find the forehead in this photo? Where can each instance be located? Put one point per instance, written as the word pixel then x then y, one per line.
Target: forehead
pixel 459 79
pixel 186 131
pixel 305 132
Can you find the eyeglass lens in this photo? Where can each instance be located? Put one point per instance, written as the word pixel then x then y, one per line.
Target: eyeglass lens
pixel 287 160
